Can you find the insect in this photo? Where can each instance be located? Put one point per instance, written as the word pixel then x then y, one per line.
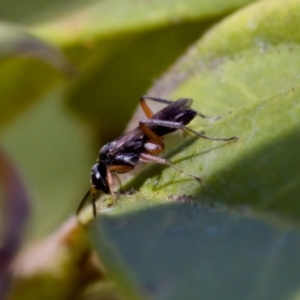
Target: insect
pixel 142 144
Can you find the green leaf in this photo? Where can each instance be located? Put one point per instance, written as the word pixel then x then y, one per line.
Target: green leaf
pixel 116 17
pixel 183 251
pixel 25 72
pixel 121 47
pixel 247 64
pixel 253 170
pixel 53 153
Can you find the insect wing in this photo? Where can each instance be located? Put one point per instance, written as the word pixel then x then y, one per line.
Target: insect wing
pixel 168 113
pixel 173 109
pixel 125 140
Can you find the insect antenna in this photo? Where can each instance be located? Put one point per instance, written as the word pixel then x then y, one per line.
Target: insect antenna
pixel 92 192
pixel 83 201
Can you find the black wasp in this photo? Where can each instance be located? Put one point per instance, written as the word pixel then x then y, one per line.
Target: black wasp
pixel 142 144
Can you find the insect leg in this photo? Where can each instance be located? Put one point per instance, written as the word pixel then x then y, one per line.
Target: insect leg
pixel 148 112
pixel 155 144
pixel 163 123
pixel 144 157
pixel 160 100
pixel 178 125
pixel 208 117
pixel 117 169
pixel 233 138
pixel 110 182
pixel 91 192
pixel 119 182
pixel 213 118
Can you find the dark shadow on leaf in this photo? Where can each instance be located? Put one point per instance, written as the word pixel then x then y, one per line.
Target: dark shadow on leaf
pixel 239 254
pixel 267 178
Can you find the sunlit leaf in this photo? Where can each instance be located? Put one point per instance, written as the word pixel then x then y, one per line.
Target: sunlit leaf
pixel 247 245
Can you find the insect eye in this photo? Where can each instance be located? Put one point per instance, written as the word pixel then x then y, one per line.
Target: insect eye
pixel 98 178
